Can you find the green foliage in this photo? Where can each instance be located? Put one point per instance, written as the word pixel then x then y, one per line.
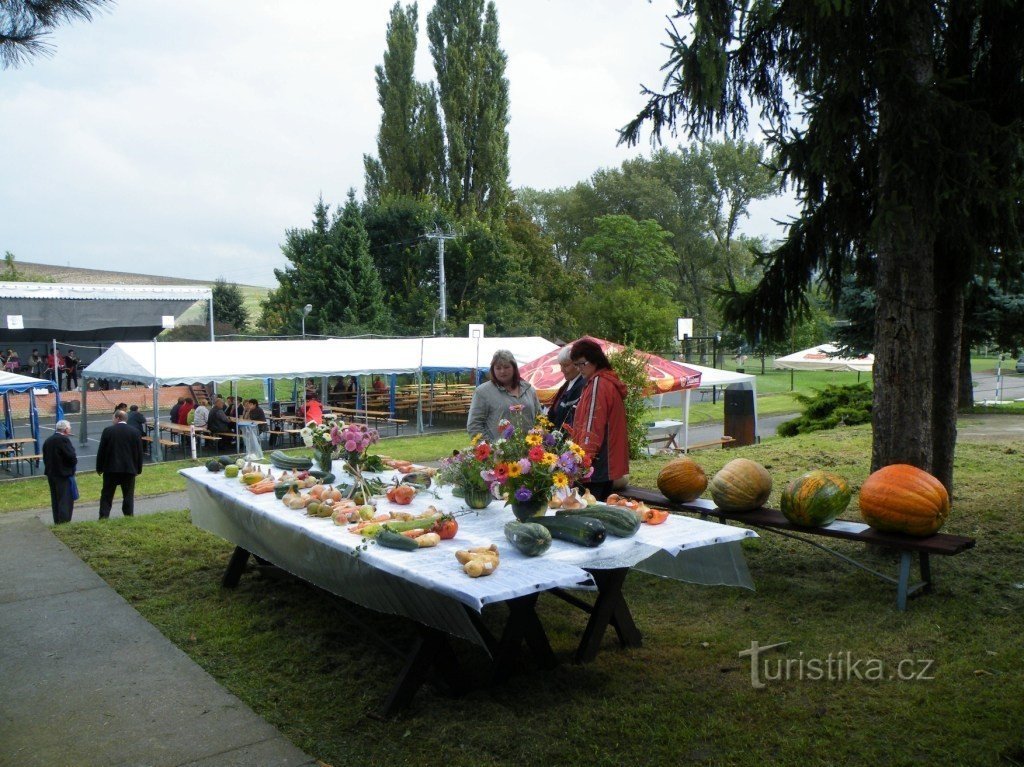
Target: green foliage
pixel 229 305
pixel 630 253
pixel 11 273
pixel 410 141
pixel 631 369
pixel 473 95
pixel 331 268
pixel 832 406
pixel 24 25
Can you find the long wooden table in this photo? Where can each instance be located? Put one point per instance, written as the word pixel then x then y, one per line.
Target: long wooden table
pixel 429 587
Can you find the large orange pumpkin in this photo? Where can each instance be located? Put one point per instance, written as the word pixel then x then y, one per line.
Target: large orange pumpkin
pixel 682 480
pixel 741 485
pixel 904 499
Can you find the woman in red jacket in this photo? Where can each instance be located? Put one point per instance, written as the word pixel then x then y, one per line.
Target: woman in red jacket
pixel 599 423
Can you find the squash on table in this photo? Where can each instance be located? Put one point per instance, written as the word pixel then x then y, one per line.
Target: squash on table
pixel 682 480
pixel 901 498
pixel 741 485
pixel 815 499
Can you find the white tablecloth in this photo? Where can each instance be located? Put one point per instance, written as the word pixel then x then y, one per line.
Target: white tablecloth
pixel 429 585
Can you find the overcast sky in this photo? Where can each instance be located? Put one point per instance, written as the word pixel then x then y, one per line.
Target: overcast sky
pixel 183 137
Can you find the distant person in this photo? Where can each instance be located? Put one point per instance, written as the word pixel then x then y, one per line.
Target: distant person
pixel 59 461
pixel 176 409
pixel 379 385
pixel 36 364
pixel 186 408
pixel 71 365
pixel 55 368
pixel 119 461
pixel 137 420
pixel 231 410
pixel 217 421
pixel 121 406
pixel 200 416
pixel 563 406
pixel 11 362
pixel 313 411
pixel 254 412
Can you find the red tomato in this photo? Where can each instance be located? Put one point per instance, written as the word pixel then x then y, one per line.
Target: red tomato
pixel 446 527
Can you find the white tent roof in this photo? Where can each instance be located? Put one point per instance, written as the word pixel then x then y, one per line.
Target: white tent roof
pixel 18 383
pixel 714 377
pixel 822 357
pixel 170 363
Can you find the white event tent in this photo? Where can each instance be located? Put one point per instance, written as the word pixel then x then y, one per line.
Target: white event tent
pixel 173 363
pixel 710 377
pixel 825 357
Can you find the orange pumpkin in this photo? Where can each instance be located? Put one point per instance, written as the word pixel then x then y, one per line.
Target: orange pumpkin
pixel 741 485
pixel 904 499
pixel 682 480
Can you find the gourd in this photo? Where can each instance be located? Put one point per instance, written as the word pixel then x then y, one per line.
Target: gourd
pixel 682 480
pixel 617 521
pixel 392 540
pixel 904 499
pixel 583 531
pixel 325 477
pixel 225 460
pixel 741 485
pixel 293 462
pixel 214 466
pixel 529 538
pixel 815 499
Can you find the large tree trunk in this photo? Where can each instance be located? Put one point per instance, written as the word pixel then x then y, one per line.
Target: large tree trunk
pixel 920 308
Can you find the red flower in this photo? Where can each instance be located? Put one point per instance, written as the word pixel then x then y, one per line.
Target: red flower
pixel 501 472
pixel 482 452
pixel 536 453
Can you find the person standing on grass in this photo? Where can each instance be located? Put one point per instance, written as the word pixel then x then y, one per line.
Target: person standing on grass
pixel 492 399
pixel 60 460
pixel 119 461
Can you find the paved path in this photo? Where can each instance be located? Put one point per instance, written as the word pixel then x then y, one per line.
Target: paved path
pixel 87 681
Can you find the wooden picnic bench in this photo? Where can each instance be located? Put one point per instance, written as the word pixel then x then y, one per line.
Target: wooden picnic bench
pixel 940 544
pixel 15 459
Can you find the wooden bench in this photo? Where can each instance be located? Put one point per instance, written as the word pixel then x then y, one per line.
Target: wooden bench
pixel 940 544
pixel 15 459
pixel 165 444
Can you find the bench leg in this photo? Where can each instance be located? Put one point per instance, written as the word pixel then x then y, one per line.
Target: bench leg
pixel 901 586
pixel 926 571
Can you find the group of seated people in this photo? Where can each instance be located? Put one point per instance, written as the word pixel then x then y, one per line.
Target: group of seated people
pixel 217 419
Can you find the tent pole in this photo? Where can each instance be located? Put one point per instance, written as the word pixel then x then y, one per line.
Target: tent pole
pixel 686 422
pixel 8 423
pixel 158 453
pixel 83 436
pixel 33 418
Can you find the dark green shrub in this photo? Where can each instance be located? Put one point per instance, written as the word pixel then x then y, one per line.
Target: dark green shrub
pixel 832 406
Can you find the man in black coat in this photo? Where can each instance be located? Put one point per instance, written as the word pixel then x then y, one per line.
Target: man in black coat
pixel 60 460
pixel 119 460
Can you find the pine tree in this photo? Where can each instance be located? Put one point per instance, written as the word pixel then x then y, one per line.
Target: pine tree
pixel 473 95
pixel 229 305
pixel 365 310
pixel 909 169
pixel 24 25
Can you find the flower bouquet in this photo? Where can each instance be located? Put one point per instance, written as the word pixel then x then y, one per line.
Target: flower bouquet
pixel 465 472
pixel 334 439
pixel 531 463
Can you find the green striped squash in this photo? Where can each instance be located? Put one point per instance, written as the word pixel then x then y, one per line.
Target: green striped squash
pixel 815 499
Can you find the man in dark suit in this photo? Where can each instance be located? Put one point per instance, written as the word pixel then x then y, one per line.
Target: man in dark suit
pixel 60 460
pixel 119 460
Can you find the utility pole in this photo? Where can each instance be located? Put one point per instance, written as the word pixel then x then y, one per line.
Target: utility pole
pixel 440 236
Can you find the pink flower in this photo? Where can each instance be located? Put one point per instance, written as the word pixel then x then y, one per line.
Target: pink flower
pixel 351 446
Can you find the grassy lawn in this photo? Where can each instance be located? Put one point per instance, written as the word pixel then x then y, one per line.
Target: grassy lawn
pixel 315 666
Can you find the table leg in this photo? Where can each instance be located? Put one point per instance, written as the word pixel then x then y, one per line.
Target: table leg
pixel 523 625
pixel 431 652
pixel 610 607
pixel 236 566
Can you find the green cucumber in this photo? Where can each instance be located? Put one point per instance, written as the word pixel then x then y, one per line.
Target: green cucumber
pixel 530 538
pixel 583 531
pixel 291 462
pixel 400 526
pixel 325 477
pixel 392 540
pixel 622 523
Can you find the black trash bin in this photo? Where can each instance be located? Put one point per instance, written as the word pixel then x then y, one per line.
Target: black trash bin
pixel 739 415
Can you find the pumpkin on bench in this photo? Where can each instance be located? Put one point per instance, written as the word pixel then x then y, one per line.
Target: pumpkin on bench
pixel 903 506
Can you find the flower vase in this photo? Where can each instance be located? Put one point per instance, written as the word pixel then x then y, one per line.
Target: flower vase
pixel 324 459
pixel 477 498
pixel 535 507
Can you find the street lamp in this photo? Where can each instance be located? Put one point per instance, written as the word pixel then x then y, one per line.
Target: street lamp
pixel 305 312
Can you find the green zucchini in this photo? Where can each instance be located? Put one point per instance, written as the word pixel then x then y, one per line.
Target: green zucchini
pixel 325 477
pixel 583 531
pixel 393 540
pixel 622 523
pixel 400 526
pixel 281 488
pixel 291 462
pixel 530 538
